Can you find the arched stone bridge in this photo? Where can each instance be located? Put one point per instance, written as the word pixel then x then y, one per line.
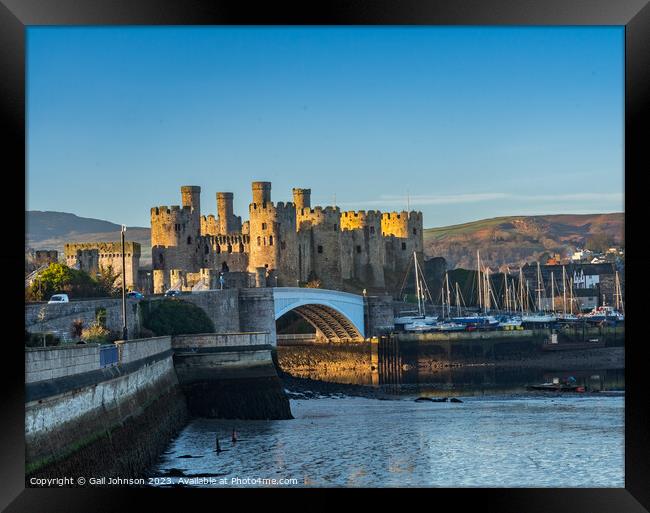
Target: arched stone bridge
pixel 337 315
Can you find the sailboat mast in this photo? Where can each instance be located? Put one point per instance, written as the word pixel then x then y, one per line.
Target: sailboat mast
pixel 417 282
pixel 448 295
pixel 619 294
pixel 521 290
pixel 539 287
pixel 552 293
pixel 457 301
pixel 478 279
pixel 563 290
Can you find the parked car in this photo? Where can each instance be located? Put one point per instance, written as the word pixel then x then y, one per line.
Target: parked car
pixel 59 298
pixel 172 293
pixel 135 294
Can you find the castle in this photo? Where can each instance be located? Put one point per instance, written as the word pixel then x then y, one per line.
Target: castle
pixel 281 244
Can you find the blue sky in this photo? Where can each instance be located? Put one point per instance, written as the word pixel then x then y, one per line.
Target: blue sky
pixel 467 122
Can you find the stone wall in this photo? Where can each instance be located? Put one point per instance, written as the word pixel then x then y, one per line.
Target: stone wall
pixel 58 317
pixel 379 315
pixel 221 340
pixel 257 312
pixel 81 417
pixel 138 349
pixel 42 363
pixel 222 306
pixel 230 376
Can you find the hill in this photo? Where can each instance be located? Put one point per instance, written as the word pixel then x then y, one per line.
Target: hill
pixel 515 240
pixel 51 230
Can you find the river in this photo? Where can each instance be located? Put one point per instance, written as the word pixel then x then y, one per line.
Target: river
pixel 500 435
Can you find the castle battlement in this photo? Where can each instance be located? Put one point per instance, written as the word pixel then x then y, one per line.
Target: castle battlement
pixel 353 220
pixel 279 209
pixel 168 209
pixel 413 214
pixel 105 249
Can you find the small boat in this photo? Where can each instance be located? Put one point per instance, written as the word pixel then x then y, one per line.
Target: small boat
pixel 510 322
pixel 604 313
pixel 556 387
pixel 567 317
pixel 420 326
pixel 478 321
pixel 450 326
pixel 538 318
pixel 567 385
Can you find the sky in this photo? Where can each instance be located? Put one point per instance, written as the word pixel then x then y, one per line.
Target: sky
pixel 462 123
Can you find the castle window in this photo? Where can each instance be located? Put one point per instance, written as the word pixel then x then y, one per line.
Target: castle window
pixel 320 249
pixel 189 240
pixel 207 250
pixel 217 249
pixel 270 240
pixel 372 229
pixel 415 231
pixel 358 249
pixel 263 226
pixel 229 248
pixel 403 246
pixel 160 258
pixel 336 227
pixel 241 248
pixel 264 240
pixel 259 241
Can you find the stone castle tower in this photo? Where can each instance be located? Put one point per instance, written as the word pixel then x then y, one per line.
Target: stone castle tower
pixel 281 244
pixel 272 229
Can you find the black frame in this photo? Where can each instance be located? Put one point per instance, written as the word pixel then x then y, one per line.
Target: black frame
pixel 15 15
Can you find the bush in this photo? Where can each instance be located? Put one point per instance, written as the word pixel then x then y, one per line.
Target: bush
pixel 174 317
pixel 77 328
pixel 95 334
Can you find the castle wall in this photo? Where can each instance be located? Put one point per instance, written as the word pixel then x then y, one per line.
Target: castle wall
pixel 90 256
pixel 324 225
pixel 365 250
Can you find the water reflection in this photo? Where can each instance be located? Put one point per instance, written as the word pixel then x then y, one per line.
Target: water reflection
pixel 408 369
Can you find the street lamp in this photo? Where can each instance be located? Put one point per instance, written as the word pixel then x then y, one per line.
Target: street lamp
pixel 125 332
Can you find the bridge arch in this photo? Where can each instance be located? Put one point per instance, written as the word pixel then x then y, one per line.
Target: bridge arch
pixel 337 315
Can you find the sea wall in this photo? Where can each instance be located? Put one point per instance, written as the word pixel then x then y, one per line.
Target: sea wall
pixel 230 375
pixel 86 416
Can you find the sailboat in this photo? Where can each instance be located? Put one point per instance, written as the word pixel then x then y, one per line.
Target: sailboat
pixel 420 322
pixel 566 316
pixel 480 320
pixel 540 316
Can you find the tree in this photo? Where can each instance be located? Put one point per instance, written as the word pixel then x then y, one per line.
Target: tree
pixel 59 278
pixel 174 317
pixel 107 279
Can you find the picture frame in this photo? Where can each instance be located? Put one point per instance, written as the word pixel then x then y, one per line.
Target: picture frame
pixel 16 15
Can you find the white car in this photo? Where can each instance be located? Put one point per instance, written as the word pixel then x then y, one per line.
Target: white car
pixel 59 298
